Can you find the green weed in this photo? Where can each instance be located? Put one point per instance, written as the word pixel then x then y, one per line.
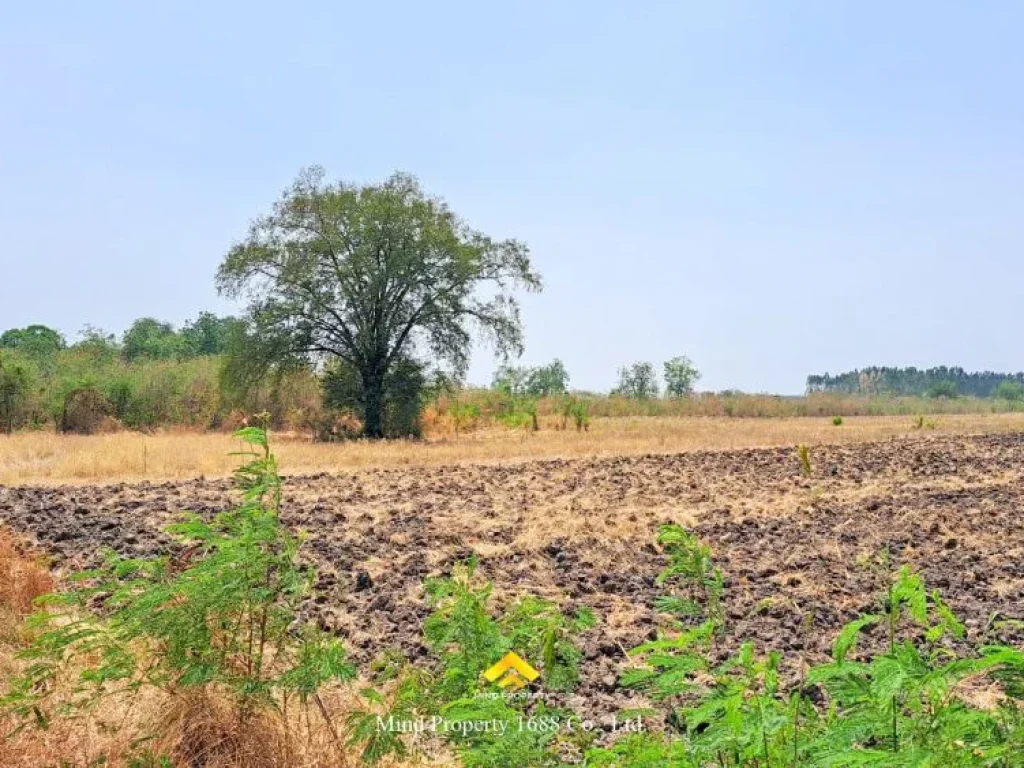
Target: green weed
pixel 803 453
pixel 901 706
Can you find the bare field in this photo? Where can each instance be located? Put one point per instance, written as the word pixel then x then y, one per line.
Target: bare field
pixel 796 551
pixel 45 457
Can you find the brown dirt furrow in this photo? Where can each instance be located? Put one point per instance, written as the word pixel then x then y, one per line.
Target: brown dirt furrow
pixel 796 551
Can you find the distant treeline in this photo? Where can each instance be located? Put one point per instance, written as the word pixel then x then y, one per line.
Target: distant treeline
pixel 929 382
pixel 157 376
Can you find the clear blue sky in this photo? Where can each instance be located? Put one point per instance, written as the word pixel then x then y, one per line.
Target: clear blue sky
pixel 772 188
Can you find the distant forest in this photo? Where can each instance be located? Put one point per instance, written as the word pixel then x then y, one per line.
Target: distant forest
pixel 940 381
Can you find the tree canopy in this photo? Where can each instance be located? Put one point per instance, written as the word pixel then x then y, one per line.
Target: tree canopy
pixel 637 381
pixel 680 376
pixel 151 338
pixel 372 276
pixel 208 334
pixel 36 340
pixel 539 381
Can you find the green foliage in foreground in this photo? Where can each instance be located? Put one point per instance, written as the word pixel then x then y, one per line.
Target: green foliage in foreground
pixel 219 616
pixel 465 638
pixel 905 705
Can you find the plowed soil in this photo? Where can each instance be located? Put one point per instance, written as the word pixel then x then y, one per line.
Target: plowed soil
pixel 796 550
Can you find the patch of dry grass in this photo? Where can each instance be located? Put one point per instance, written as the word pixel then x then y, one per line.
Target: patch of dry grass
pixel 23 576
pixel 194 728
pixel 44 457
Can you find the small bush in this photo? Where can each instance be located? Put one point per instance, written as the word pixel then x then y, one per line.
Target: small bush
pixel 837 421
pixel 944 389
pixel 690 568
pixel 332 426
pixel 578 410
pixel 86 412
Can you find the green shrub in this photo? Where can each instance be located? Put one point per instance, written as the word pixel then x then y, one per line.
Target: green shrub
pixel 1012 391
pixel 466 637
pixel 578 410
pixel 14 393
pixel 464 415
pixel 901 706
pixel 691 569
pixel 943 389
pixel 85 412
pixel 536 629
pixel 221 618
pixel 837 421
pixel 521 414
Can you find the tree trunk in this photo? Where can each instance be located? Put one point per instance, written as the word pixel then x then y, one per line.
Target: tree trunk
pixel 373 405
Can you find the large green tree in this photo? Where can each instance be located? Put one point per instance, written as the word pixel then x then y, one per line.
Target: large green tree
pixel 373 276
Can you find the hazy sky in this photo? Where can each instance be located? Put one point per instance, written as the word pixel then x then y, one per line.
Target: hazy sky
pixel 772 188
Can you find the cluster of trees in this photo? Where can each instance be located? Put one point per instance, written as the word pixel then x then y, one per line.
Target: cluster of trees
pixel 639 381
pixel 539 381
pixel 371 289
pixel 147 337
pixel 204 336
pixel 154 374
pixel 932 382
pixel 375 292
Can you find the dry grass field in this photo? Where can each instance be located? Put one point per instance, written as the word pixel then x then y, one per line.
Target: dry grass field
pixel 567 516
pixel 45 457
pixel 579 529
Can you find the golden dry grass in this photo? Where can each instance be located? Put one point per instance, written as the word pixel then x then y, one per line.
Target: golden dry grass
pixel 197 728
pixel 23 575
pixel 44 457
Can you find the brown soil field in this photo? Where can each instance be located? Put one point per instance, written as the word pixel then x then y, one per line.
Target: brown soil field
pixel 796 550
